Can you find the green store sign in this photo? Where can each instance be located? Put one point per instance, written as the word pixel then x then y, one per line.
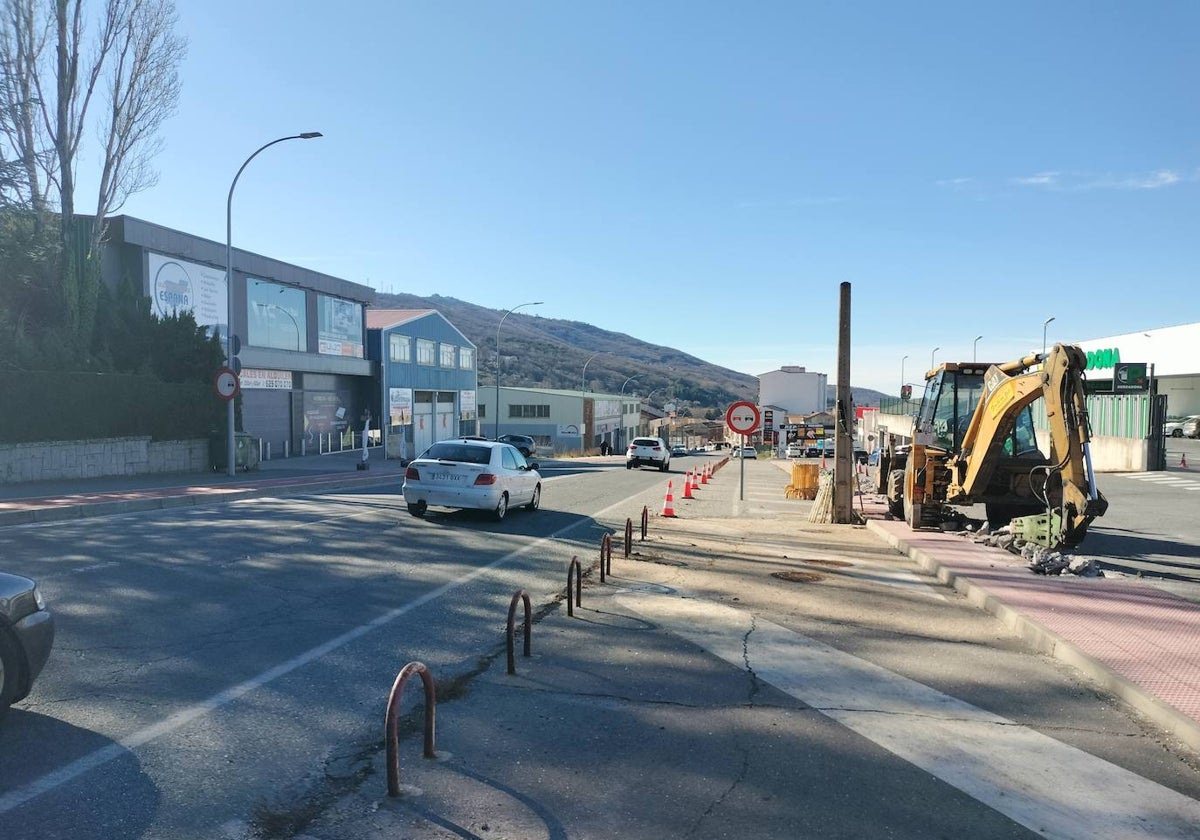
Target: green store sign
pixel 1102 359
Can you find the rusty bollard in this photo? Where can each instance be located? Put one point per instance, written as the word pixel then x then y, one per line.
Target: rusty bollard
pixel 645 521
pixel 628 537
pixel 391 723
pixel 508 635
pixel 577 571
pixel 605 555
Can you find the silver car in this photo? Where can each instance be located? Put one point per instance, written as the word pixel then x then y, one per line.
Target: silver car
pixel 472 474
pixel 26 637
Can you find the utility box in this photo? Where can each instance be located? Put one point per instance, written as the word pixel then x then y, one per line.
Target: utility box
pixel 245 451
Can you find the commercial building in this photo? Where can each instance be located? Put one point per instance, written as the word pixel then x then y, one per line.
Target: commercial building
pixel 1171 355
pixel 306 383
pixel 561 421
pixel 793 390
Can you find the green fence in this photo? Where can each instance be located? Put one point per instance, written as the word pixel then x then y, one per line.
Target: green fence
pixel 86 406
pixel 1111 415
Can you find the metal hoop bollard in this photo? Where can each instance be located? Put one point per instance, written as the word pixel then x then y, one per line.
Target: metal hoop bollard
pixel 576 570
pixel 391 724
pixel 645 521
pixel 605 555
pixel 508 635
pixel 628 537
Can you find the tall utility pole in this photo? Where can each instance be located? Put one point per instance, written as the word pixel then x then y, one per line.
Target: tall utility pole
pixel 843 447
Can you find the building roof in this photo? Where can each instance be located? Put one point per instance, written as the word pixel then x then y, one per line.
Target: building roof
pixel 382 319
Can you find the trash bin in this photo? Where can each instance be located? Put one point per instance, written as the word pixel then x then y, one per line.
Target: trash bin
pixel 245 451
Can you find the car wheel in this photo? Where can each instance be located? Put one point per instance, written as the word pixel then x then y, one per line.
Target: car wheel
pixel 628 465
pixel 417 508
pixel 1177 433
pixel 501 508
pixel 536 501
pixel 664 466
pixel 10 672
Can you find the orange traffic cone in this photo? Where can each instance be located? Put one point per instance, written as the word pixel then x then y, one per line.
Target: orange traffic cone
pixel 687 486
pixel 704 475
pixel 669 502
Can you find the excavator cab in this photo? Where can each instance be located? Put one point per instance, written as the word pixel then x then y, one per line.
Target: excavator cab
pixel 951 397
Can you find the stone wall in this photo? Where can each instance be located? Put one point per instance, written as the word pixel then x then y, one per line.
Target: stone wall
pixel 64 460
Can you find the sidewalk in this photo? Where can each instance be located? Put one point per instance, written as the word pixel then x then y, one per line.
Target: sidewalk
pixel 619 672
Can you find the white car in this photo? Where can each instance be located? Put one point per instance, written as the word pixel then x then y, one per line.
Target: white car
pixel 649 452
pixel 472 474
pixel 795 450
pixel 1174 426
pixel 744 452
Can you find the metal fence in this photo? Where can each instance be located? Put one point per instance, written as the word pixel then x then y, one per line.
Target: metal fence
pixel 1111 415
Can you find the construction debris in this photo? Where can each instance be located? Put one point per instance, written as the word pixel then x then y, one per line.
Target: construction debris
pixel 1041 560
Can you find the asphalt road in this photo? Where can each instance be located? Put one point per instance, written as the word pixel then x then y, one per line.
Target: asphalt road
pixel 218 666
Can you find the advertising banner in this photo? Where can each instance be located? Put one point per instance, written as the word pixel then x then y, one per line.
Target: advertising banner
pixel 400 406
pixel 339 327
pixel 176 285
pixel 266 379
pixel 466 404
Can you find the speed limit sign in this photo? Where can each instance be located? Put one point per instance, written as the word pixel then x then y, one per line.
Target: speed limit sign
pixel 742 417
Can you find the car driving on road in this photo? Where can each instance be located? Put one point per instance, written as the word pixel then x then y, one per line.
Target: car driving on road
pixel 473 474
pixel 26 636
pixel 524 443
pixel 649 452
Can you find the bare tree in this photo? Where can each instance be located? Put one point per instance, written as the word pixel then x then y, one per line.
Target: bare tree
pixel 129 75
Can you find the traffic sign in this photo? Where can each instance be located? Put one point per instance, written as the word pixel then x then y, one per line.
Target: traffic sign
pixel 742 417
pixel 226 383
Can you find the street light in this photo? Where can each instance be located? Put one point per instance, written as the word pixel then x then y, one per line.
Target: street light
pixel 621 428
pixel 1045 324
pixel 975 349
pixel 583 381
pixel 229 354
pixel 498 326
pixel 902 361
pixel 931 355
pixel 626 382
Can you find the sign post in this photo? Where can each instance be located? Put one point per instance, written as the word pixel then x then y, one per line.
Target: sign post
pixel 742 418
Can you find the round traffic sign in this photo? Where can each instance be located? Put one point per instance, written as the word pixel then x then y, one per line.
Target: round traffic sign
pixel 226 383
pixel 742 417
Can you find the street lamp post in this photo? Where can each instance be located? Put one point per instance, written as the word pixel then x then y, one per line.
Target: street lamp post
pixel 583 379
pixel 975 349
pixel 931 355
pixel 229 354
pixel 1045 324
pixel 621 428
pixel 498 326
pixel 902 361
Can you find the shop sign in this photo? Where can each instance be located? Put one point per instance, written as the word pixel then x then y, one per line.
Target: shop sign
pixel 277 380
pixel 1103 359
pixel 1130 376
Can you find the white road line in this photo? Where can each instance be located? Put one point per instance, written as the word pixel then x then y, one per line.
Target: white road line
pixel 1051 788
pixel 15 798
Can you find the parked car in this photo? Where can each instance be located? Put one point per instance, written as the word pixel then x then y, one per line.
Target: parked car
pixel 26 637
pixel 744 452
pixel 1174 426
pixel 794 450
pixel 648 451
pixel 679 449
pixel 812 452
pixel 524 443
pixel 1191 428
pixel 472 474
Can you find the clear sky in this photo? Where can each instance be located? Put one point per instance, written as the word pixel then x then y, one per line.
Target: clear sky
pixel 704 175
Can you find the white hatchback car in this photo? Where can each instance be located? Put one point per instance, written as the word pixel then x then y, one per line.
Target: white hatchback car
pixel 472 474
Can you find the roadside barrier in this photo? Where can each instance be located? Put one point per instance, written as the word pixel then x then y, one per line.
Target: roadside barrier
pixel 508 633
pixel 645 521
pixel 605 552
pixel 391 723
pixel 628 537
pixel 576 570
pixel 669 502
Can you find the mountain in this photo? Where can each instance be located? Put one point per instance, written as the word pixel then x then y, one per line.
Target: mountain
pixel 551 353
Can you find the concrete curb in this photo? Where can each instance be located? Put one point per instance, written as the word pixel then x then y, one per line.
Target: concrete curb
pixel 1050 643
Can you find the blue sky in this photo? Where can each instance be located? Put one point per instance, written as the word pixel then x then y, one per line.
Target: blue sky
pixel 704 175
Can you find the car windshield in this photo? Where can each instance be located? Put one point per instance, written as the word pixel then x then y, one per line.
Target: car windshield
pixel 465 453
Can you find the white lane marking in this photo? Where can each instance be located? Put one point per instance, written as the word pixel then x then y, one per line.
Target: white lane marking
pixel 15 798
pixel 1051 788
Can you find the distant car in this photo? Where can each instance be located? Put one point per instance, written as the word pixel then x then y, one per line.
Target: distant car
pixel 679 449
pixel 744 452
pixel 26 637
pixel 1174 426
pixel 472 474
pixel 812 452
pixel 649 452
pixel 524 443
pixel 1191 428
pixel 794 450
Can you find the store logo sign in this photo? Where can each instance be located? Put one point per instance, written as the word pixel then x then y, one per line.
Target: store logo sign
pixel 1103 359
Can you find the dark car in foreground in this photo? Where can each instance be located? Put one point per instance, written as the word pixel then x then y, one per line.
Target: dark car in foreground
pixel 26 637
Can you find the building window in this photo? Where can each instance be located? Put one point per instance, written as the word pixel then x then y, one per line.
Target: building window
pixel 466 358
pixel 446 355
pixel 482 410
pixel 399 348
pixel 275 316
pixel 425 351
pixel 528 411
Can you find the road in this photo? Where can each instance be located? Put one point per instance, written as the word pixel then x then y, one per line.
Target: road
pixel 218 666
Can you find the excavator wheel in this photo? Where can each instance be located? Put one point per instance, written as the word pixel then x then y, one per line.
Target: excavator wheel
pixel 895 493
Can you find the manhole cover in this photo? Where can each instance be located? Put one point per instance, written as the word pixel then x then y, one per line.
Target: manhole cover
pixel 798 577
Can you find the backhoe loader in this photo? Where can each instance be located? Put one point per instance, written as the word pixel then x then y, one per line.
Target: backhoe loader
pixel 974 443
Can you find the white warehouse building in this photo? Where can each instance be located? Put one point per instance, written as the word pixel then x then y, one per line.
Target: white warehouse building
pixel 793 389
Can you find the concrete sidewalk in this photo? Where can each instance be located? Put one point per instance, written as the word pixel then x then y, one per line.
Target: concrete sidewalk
pixel 1138 642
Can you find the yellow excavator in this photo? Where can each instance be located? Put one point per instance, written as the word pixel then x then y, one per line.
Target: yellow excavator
pixel 974 442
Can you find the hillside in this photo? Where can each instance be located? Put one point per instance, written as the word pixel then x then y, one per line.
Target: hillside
pixel 551 353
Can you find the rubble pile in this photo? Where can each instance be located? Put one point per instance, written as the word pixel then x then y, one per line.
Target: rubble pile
pixel 1041 560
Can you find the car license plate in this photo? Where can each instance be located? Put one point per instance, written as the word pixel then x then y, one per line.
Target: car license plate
pixel 447 476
